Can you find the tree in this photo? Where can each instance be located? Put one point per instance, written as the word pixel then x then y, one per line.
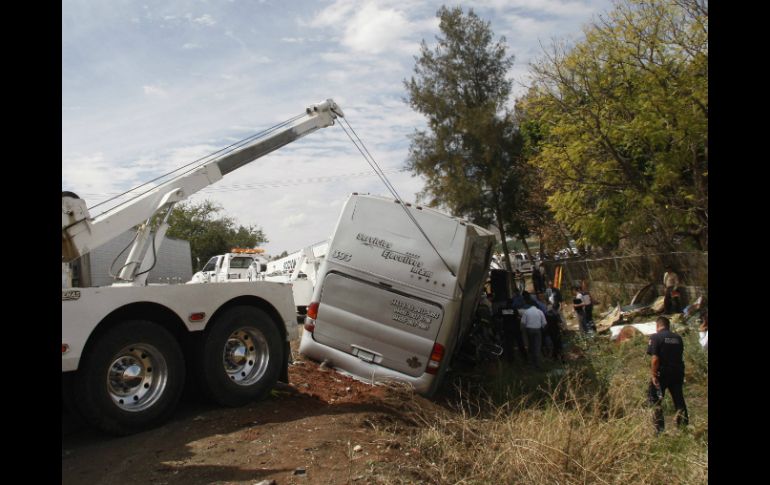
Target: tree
pixel 470 153
pixel 622 125
pixel 210 235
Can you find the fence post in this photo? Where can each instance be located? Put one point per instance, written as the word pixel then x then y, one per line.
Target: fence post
pixel 619 279
pixel 588 272
pixel 569 276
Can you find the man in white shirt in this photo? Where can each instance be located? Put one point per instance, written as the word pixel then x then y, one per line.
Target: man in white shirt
pixel 579 305
pixel 534 322
pixel 671 284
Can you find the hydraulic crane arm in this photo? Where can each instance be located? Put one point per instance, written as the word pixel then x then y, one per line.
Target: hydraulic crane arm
pixel 81 233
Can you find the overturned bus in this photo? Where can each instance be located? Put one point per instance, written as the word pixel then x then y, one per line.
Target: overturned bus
pixel 397 292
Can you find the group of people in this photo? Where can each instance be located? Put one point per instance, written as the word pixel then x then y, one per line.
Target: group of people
pixel 538 318
pixel 531 323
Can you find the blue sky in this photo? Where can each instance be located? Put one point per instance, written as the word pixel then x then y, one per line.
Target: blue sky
pixel 150 86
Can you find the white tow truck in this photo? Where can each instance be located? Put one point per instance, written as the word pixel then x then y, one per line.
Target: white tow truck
pixel 300 269
pixel 127 348
pixel 230 267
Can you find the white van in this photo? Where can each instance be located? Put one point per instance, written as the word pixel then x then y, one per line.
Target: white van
pixel 386 307
pixel 521 262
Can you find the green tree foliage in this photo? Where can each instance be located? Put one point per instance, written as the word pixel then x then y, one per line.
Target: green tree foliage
pixel 618 126
pixel 470 152
pixel 210 235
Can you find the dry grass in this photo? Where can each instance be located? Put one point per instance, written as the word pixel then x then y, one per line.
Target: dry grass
pixel 589 426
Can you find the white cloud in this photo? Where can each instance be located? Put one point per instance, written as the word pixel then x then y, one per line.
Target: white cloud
pixel 570 8
pixel 151 90
pixel 261 59
pixel 191 45
pixel 94 178
pixel 205 19
pixel 294 221
pixel 529 27
pixel 372 28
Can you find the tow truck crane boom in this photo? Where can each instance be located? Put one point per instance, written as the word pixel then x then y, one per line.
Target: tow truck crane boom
pixel 81 233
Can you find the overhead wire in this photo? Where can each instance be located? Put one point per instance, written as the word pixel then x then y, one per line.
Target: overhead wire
pixel 278 183
pixel 289 183
pixel 203 160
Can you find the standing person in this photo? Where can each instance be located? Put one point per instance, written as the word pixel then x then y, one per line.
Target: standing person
pixel 667 349
pixel 538 279
pixel 539 301
pixel 520 281
pixel 544 274
pixel 671 283
pixel 511 323
pixel 555 298
pixel 553 332
pixel 534 323
pixel 513 326
pixel 579 306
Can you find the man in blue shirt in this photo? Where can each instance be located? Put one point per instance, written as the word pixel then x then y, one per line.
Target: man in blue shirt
pixel 526 300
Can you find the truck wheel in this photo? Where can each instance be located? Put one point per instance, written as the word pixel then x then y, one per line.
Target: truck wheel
pixel 132 379
pixel 241 356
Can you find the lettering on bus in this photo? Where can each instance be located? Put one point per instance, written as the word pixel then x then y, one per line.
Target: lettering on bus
pixel 410 259
pixel 373 241
pixel 389 254
pixel 413 315
pixel 342 255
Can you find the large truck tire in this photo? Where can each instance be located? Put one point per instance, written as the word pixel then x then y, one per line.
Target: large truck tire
pixel 132 378
pixel 241 356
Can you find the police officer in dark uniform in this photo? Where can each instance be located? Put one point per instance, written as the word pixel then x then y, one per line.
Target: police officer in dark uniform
pixel 667 349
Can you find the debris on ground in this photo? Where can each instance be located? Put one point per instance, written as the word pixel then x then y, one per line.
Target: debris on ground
pixel 694 307
pixel 630 331
pixel 623 322
pixel 645 296
pixel 677 318
pixel 614 316
pixel 659 305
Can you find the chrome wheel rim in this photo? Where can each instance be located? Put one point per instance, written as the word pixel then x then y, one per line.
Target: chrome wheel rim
pixel 137 377
pixel 245 356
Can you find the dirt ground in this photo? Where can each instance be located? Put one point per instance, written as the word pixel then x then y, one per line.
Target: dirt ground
pixel 306 432
pixel 322 428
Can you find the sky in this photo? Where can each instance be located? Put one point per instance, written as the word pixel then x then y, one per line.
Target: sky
pixel 150 86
